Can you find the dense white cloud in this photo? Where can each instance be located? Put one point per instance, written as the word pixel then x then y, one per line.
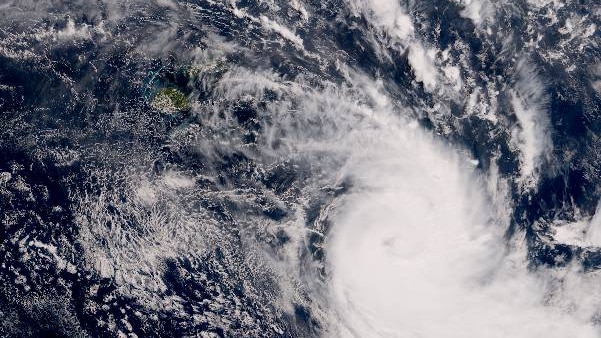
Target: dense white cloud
pixel 387 15
pixel 417 251
pixel 422 63
pixel 532 135
pixel 477 10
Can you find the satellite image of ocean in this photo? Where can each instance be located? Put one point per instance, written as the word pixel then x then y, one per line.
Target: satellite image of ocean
pixel 300 168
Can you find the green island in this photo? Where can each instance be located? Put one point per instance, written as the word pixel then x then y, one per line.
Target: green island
pixel 170 100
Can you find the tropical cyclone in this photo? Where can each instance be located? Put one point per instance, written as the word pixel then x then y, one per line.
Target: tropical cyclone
pixel 299 168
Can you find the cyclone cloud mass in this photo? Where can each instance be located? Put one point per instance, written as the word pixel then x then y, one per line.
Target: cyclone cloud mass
pixel 267 168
